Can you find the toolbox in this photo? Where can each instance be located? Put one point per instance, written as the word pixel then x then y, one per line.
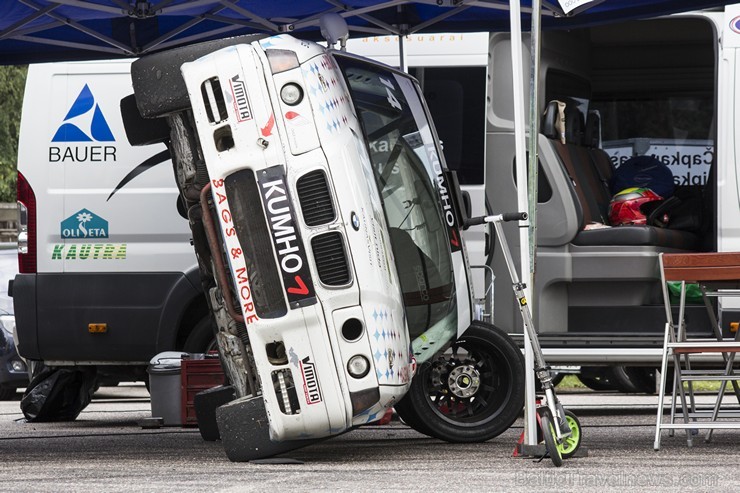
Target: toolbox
pixel 196 376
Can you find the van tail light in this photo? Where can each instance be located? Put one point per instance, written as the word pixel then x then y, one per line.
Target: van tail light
pixel 26 227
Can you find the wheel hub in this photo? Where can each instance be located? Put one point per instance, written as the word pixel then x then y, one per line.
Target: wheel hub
pixel 464 381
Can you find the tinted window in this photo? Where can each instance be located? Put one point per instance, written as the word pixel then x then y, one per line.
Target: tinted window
pixel 456 97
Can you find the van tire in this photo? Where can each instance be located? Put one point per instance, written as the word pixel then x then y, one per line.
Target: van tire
pixel 492 356
pixel 202 337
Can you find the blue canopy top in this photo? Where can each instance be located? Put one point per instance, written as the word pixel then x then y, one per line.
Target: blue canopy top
pixel 46 30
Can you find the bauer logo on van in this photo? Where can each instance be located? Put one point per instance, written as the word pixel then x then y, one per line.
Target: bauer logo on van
pixel 89 251
pixel 241 102
pixel 84 121
pixel 83 125
pixel 84 224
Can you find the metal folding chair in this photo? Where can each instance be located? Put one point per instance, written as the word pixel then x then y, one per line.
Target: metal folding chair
pixel 718 275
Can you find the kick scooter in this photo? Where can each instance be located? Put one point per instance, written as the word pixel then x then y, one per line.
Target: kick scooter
pixel 560 429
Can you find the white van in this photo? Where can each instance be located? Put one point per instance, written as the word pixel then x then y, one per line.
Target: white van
pixel 665 88
pixel 107 271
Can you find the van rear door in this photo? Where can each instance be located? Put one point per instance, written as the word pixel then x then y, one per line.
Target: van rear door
pixel 118 208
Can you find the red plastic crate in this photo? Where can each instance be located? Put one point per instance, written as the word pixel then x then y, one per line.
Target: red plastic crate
pixel 197 375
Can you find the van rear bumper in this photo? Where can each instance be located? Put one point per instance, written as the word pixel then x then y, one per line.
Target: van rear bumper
pixel 142 311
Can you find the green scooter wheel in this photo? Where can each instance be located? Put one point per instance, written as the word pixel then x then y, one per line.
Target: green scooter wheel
pixel 569 445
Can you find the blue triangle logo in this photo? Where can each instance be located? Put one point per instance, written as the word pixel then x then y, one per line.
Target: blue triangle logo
pixel 96 130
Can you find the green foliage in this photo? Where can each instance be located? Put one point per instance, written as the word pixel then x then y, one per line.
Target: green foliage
pixel 12 83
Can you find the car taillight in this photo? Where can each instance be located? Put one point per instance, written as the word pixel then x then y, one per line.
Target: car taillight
pixel 26 227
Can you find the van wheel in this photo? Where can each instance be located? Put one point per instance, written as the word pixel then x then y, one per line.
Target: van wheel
pixel 473 391
pixel 643 378
pixel 202 338
pixel 597 378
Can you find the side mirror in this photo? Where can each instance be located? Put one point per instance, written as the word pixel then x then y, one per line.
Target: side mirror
pixel 463 208
pixel 467 204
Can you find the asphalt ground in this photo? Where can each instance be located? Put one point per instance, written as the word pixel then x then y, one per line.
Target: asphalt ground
pixel 106 450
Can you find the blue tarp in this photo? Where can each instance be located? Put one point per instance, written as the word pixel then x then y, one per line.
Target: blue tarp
pixel 45 30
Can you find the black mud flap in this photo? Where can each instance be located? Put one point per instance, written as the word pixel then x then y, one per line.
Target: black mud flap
pixel 245 431
pixel 205 404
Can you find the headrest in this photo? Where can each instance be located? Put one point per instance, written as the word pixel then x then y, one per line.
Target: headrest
pixel 574 123
pixel 592 134
pixel 553 121
pixel 562 121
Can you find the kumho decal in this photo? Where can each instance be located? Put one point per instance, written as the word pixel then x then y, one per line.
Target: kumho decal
pixel 444 196
pixel 89 251
pixel 84 123
pixel 84 224
pixel 285 237
pixel 311 389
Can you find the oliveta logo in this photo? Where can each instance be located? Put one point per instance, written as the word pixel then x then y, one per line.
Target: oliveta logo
pixel 84 224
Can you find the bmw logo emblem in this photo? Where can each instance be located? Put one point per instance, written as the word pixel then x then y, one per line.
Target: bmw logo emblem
pixel 355 222
pixel 735 24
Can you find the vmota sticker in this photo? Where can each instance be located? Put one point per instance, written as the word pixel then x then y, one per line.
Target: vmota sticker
pixel 285 237
pixel 84 123
pixel 84 224
pixel 310 381
pixel 241 102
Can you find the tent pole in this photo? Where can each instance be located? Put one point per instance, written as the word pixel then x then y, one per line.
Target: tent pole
pixel 402 62
pixel 533 185
pixel 530 429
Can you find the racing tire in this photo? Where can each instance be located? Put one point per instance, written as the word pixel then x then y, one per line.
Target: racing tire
pixel 158 84
pixel 406 411
pixel 472 392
